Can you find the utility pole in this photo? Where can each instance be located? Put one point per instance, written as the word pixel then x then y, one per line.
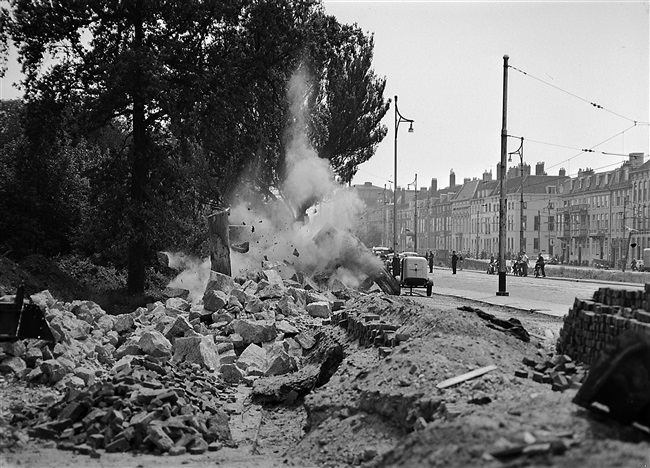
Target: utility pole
pixel 502 196
pixel 415 216
pixel 623 254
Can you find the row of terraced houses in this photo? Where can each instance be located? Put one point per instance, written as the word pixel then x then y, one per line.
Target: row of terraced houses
pixel 594 217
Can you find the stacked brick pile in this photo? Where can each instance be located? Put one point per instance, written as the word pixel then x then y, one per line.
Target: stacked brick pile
pixel 368 328
pixel 592 324
pixel 148 406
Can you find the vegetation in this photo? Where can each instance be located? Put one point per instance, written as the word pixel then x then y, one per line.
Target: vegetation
pixel 141 117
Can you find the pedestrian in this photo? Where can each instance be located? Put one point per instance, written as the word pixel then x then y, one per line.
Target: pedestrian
pixel 454 262
pixel 430 262
pixel 524 263
pixel 539 266
pixel 460 261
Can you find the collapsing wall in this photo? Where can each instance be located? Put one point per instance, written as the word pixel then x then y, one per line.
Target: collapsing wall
pixel 593 324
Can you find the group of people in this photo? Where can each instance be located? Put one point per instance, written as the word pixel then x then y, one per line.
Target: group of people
pixel 520 266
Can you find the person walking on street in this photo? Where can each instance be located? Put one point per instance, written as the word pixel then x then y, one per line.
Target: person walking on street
pixel 539 266
pixel 454 262
pixel 430 262
pixel 460 261
pixel 524 263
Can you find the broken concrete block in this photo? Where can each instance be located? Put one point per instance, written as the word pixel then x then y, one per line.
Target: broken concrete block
pixel 177 328
pixel 197 349
pixel 254 305
pixel 279 362
pixel 214 300
pixel 319 309
pixel 230 373
pixel 130 347
pixel 305 340
pixel 123 323
pixel 273 277
pixel 157 435
pixel 53 370
pixel 313 296
pixel 220 282
pixel 13 365
pixel 285 327
pixel 177 303
pixel 254 356
pixel 155 344
pixel 86 374
pixel 254 331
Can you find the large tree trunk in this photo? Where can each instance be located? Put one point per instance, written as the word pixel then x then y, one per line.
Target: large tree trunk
pixel 138 244
pixel 218 239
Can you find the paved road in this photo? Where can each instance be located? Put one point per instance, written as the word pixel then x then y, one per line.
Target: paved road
pixel 553 296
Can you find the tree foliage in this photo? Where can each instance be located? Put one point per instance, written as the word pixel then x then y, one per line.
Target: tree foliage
pixel 140 116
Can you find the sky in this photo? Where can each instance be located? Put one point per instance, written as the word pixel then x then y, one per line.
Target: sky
pixel 444 61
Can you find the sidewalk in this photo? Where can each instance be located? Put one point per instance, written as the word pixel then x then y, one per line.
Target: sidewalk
pixel 516 300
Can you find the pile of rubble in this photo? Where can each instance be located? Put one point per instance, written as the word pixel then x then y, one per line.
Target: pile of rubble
pixel 158 379
pixel 560 371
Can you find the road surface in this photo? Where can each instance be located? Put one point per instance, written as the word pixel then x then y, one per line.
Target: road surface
pixel 552 296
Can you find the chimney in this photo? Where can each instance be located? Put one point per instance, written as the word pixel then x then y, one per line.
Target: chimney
pixel 466 180
pixel 562 172
pixel 539 169
pixel 452 178
pixel 636 159
pixel 434 185
pixel 498 171
pixel 487 176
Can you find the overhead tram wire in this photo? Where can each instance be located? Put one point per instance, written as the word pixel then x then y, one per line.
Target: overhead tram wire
pixel 593 104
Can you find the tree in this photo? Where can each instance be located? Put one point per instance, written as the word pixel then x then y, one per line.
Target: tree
pixel 350 101
pixel 181 100
pixel 122 64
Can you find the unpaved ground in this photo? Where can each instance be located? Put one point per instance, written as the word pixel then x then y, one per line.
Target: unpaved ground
pixel 388 412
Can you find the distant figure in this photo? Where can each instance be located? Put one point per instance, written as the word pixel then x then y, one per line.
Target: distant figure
pixel 454 262
pixel 633 264
pixel 539 266
pixel 524 263
pixel 430 262
pixel 460 261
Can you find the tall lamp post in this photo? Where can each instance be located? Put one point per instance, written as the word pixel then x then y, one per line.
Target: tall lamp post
pixel 398 120
pixel 502 184
pixel 520 152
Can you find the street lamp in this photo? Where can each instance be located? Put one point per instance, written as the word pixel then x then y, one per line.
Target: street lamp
pixel 398 120
pixel 520 152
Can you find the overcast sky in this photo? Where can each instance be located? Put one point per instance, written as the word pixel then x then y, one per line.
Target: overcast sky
pixel 444 61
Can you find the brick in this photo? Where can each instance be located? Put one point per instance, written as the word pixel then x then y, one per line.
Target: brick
pixel 118 445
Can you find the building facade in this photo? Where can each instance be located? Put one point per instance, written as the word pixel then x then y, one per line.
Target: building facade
pixel 584 220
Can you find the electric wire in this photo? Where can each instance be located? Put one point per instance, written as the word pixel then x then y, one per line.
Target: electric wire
pixel 592 103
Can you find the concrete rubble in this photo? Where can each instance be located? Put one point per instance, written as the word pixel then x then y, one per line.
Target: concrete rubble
pixel 159 379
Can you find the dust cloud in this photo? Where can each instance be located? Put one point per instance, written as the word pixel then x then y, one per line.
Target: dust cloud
pixel 275 231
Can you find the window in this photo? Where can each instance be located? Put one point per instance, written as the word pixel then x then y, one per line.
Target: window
pixel 551 223
pixel 536 226
pixel 535 244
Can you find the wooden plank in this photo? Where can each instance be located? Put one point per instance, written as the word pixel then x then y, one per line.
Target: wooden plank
pixel 469 375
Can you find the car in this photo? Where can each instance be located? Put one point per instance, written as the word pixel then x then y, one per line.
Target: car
pixel 413 273
pixel 409 254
